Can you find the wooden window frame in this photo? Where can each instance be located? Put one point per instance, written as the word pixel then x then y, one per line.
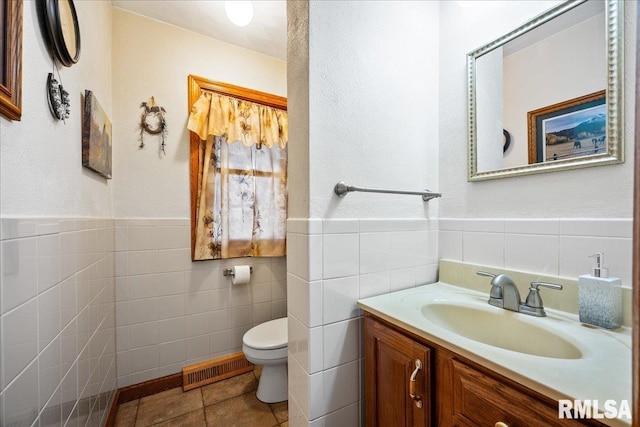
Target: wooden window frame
pixel 195 86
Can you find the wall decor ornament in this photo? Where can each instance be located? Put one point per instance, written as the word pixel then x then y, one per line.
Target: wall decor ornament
pixel 59 102
pixel 96 137
pixel 61 30
pixel 153 122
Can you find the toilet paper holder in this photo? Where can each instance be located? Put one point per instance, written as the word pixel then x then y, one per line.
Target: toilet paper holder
pixel 229 271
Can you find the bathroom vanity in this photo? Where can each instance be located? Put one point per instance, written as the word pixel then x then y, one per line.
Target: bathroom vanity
pixel 440 355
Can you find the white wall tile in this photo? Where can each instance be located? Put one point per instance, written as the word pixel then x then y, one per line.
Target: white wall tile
pixel 171 306
pixel 172 352
pixel 402 278
pixel 172 260
pixel 374 252
pixel 198 346
pixel 170 330
pixel 144 358
pixel 197 324
pixel 575 261
pixel 370 225
pixel 347 416
pixel 336 226
pixel 143 286
pixel 19 277
pixel 173 237
pixel 142 238
pixel 374 284
pixel 487 225
pixel 532 226
pixel 450 245
pixel 141 262
pixel 532 252
pixel 341 386
pixel 339 299
pixel 610 227
pixel 19 339
pixel 143 310
pixel 314 256
pixel 483 248
pixel 341 343
pixel 450 224
pixel 340 255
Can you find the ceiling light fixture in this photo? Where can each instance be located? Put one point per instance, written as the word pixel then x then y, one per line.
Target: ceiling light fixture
pixel 239 12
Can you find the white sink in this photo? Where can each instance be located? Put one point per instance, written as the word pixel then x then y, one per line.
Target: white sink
pixel 500 328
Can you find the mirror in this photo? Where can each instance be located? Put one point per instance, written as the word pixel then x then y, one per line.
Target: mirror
pixel 548 95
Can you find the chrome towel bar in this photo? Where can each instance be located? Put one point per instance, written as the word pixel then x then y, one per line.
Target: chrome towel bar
pixel 342 188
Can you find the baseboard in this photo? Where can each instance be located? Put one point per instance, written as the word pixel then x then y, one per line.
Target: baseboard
pixel 140 390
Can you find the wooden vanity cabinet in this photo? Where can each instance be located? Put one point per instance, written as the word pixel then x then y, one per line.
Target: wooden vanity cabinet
pixel 390 363
pixel 454 390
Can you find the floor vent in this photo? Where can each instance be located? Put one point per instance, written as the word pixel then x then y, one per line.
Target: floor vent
pixel 208 372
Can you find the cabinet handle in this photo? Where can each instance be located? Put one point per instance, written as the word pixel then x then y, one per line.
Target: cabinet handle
pixel 412 384
pixel 500 424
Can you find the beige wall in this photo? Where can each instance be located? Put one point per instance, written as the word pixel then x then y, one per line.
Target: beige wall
pixel 151 58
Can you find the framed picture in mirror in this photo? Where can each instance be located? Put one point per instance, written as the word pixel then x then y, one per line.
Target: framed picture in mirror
pixel 573 128
pixel 11 59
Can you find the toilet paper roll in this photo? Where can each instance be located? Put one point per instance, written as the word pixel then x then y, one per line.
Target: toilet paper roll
pixel 241 274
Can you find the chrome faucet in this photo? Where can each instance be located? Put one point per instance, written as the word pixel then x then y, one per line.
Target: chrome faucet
pixel 505 294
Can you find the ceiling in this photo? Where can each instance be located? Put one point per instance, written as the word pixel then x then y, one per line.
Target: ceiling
pixel 266 33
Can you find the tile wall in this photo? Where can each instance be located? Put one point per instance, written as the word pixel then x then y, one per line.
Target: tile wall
pixel 555 247
pixel 330 265
pixel 172 312
pixel 57 321
pixel 333 263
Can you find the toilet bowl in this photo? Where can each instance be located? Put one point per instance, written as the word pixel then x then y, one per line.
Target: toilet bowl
pixel 266 345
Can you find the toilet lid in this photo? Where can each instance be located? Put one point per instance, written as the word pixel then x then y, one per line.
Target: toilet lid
pixel 267 335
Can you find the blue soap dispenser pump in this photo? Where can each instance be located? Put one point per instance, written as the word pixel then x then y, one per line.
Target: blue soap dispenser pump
pixel 600 296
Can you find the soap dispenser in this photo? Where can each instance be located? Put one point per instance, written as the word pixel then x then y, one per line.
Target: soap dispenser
pixel 600 296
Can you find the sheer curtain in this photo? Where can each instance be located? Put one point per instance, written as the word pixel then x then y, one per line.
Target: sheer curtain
pixel 242 177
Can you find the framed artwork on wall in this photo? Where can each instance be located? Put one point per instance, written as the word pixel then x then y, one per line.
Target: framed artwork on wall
pixel 573 128
pixel 96 137
pixel 11 59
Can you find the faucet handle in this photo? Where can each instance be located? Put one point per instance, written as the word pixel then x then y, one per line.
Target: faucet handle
pixel 496 291
pixel 534 300
pixel 485 273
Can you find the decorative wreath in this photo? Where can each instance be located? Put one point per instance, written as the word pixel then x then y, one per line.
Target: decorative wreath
pixel 153 122
pixel 59 103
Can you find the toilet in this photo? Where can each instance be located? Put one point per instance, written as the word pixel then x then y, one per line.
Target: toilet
pixel 266 345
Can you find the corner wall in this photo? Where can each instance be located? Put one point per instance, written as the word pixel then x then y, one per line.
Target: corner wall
pixel 366 94
pixel 57 311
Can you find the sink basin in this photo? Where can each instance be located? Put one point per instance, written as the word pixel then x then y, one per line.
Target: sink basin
pixel 500 328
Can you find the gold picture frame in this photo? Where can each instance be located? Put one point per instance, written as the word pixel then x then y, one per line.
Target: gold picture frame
pixel 11 59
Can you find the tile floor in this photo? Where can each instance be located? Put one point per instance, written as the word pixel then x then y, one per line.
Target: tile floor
pixel 227 403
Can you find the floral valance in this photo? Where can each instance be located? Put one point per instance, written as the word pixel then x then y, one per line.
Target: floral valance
pixel 238 120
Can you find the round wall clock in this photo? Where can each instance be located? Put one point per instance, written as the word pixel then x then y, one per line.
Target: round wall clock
pixel 62 32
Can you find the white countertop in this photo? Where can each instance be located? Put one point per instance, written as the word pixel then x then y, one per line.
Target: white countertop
pixel 602 373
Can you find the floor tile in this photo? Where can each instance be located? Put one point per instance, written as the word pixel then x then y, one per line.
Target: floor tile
pixel 166 405
pixel 285 424
pixel 257 370
pixel 232 387
pixel 280 410
pixel 126 416
pixel 192 419
pixel 241 411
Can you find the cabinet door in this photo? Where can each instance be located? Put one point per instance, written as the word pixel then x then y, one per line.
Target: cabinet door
pixel 390 364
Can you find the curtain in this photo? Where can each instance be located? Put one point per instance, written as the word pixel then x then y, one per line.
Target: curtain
pixel 242 178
